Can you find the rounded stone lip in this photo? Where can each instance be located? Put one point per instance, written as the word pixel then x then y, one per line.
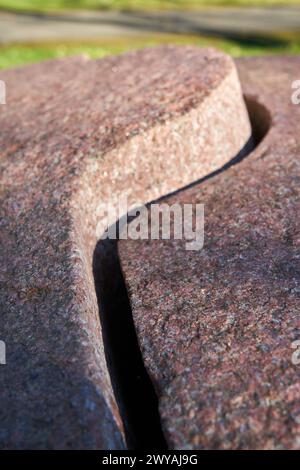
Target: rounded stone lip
pixel 177 90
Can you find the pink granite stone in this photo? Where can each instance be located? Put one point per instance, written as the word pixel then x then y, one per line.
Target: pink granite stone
pixel 216 326
pixel 74 134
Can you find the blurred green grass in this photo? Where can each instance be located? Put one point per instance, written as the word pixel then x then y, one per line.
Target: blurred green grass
pixel 19 54
pixel 55 5
pixel 16 55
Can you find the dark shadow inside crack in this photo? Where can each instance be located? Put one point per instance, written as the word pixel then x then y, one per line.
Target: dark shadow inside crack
pixel 133 388
pixel 260 119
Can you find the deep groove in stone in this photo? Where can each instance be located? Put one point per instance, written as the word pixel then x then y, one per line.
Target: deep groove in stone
pixel 131 383
pixel 132 386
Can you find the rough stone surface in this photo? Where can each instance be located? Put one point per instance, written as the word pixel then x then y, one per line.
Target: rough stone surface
pixel 216 326
pixel 74 134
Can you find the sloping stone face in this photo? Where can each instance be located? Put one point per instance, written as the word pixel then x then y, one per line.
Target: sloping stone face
pixel 75 134
pixel 216 326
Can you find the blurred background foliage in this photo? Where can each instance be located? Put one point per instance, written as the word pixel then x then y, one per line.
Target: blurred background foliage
pixel 15 54
pixel 46 5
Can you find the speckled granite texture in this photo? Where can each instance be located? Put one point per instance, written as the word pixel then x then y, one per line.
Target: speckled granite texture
pixel 74 134
pixel 216 326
